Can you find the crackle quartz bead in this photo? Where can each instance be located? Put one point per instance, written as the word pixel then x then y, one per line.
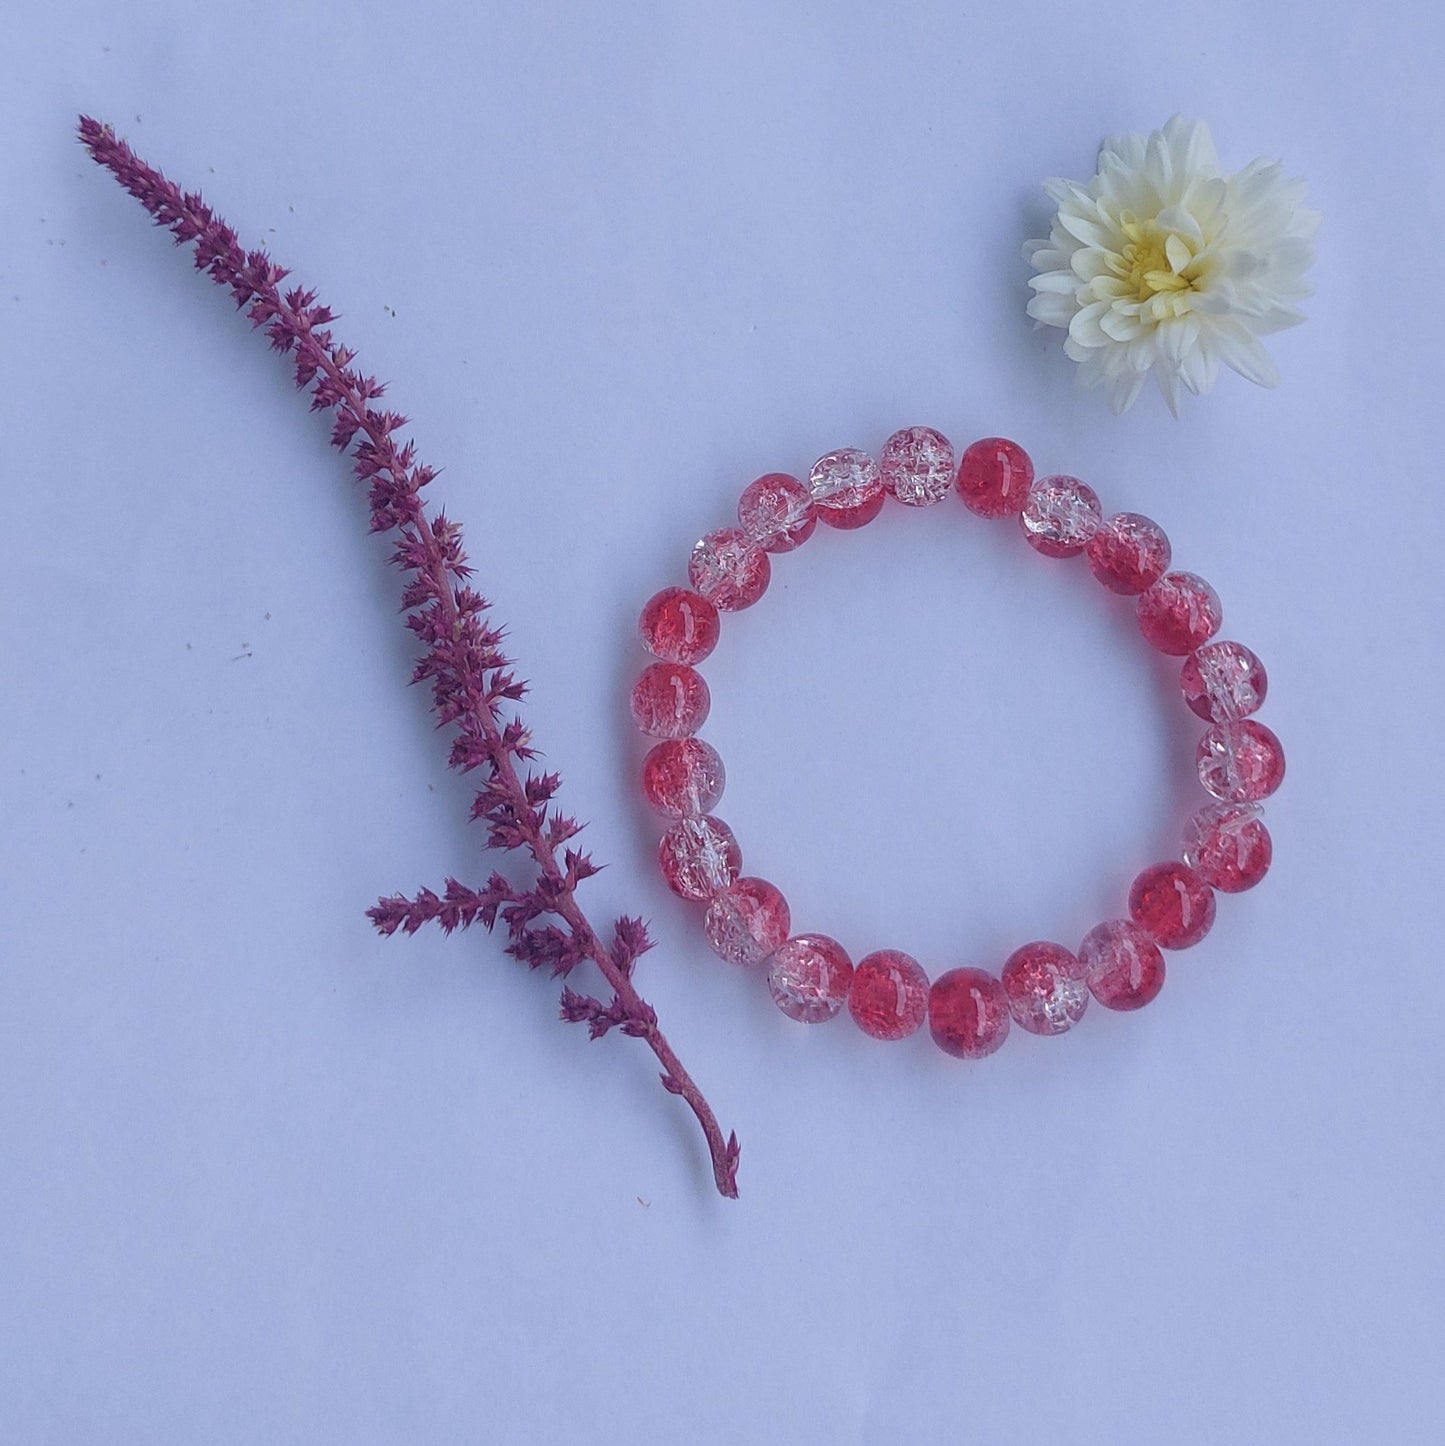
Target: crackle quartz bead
pixel 994 477
pixel 1223 681
pixel 747 921
pixel 1129 553
pixel 968 1013
pixel 846 487
pixel 699 857
pixel 809 976
pixel 1241 762
pixel 1060 516
pixel 1173 905
pixel 1045 987
pixel 1179 613
pixel 683 777
pixel 1228 846
pixel 1122 964
pixel 729 570
pixel 889 994
pixel 670 700
pixel 917 466
pixel 679 626
pixel 776 512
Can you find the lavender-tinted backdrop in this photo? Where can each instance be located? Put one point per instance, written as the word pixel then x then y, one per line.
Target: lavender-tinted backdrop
pixel 267 1177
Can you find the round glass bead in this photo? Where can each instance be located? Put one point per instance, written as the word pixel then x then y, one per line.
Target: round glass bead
pixel 809 976
pixel 747 921
pixel 1179 613
pixel 1122 964
pixel 683 777
pixel 670 700
pixel 776 512
pixel 889 995
pixel 1172 904
pixel 729 570
pixel 1128 553
pixel 1060 516
pixel 1228 846
pixel 1045 988
pixel 1241 762
pixel 699 857
pixel 968 1014
pixel 1223 681
pixel 917 466
pixel 994 477
pixel 679 626
pixel 846 487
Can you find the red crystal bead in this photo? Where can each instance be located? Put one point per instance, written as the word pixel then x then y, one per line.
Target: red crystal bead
pixel 1060 516
pixel 846 487
pixel 809 977
pixel 994 477
pixel 1172 904
pixel 1241 762
pixel 889 995
pixel 682 777
pixel 1228 846
pixel 729 570
pixel 1179 613
pixel 679 626
pixel 917 466
pixel 1045 987
pixel 1223 681
pixel 699 857
pixel 1122 964
pixel 777 513
pixel 968 1014
pixel 747 921
pixel 670 700
pixel 1128 553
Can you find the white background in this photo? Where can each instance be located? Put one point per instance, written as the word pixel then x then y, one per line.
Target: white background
pixel 265 1177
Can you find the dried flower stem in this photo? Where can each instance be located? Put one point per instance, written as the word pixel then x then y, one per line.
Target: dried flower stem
pixel 470 676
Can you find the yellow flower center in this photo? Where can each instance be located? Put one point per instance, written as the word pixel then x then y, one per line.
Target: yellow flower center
pixel 1155 260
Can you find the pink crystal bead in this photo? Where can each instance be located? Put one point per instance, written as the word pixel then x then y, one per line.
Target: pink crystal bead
pixel 1060 516
pixel 1228 846
pixel 1172 904
pixel 729 570
pixel 699 857
pixel 968 1014
pixel 1179 613
pixel 889 995
pixel 1045 988
pixel 846 487
pixel 809 976
pixel 1122 964
pixel 747 921
pixel 917 466
pixel 994 477
pixel 1128 553
pixel 679 626
pixel 776 512
pixel 670 700
pixel 1223 681
pixel 683 777
pixel 1241 762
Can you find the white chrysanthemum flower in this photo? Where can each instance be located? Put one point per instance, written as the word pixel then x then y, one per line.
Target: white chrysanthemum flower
pixel 1164 264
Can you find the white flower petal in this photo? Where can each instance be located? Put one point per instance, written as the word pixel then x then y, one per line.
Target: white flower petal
pixel 1239 351
pixel 1084 328
pixel 1064 281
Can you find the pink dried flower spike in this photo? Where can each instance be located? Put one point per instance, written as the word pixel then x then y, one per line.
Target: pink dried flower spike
pixel 470 677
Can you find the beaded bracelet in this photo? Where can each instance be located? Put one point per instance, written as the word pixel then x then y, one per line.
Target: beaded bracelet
pixel 1043 986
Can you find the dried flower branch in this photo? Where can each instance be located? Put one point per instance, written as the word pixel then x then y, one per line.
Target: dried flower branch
pixel 471 679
